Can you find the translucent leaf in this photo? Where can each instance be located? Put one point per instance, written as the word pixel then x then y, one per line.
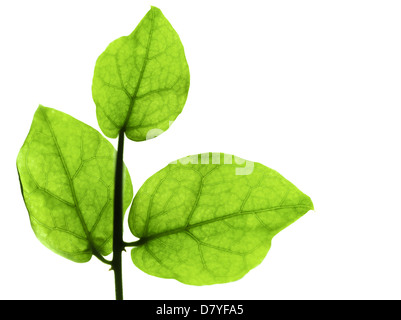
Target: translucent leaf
pixel 66 170
pixel 210 218
pixel 141 81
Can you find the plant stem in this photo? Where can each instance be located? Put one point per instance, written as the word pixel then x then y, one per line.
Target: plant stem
pixel 118 243
pixel 134 243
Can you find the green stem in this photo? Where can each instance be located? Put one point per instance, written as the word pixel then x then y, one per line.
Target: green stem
pixel 118 243
pixel 134 243
pixel 100 257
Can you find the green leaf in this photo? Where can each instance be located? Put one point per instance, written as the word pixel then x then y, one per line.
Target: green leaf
pixel 141 81
pixel 66 170
pixel 210 218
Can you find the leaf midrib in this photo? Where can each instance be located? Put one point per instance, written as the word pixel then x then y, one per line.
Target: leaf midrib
pixel 133 97
pixel 71 185
pixel 144 240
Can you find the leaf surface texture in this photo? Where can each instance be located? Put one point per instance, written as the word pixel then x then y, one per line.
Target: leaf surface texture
pixel 209 222
pixel 66 170
pixel 141 81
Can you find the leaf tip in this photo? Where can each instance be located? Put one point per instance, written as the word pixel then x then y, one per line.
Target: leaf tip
pixel 310 203
pixel 154 8
pixel 155 11
pixel 42 108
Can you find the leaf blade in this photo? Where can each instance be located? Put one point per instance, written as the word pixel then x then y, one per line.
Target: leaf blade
pixel 64 167
pixel 141 81
pixel 205 223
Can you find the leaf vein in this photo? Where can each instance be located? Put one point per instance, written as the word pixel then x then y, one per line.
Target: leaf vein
pixel 70 181
pixel 222 218
pixel 145 61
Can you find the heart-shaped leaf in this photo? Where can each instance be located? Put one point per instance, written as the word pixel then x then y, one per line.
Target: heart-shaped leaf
pixel 66 170
pixel 210 218
pixel 141 81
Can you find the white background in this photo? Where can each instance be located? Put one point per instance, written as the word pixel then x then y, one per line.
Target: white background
pixel 308 88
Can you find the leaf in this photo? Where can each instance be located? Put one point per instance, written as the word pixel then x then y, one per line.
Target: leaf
pixel 210 218
pixel 66 170
pixel 141 81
